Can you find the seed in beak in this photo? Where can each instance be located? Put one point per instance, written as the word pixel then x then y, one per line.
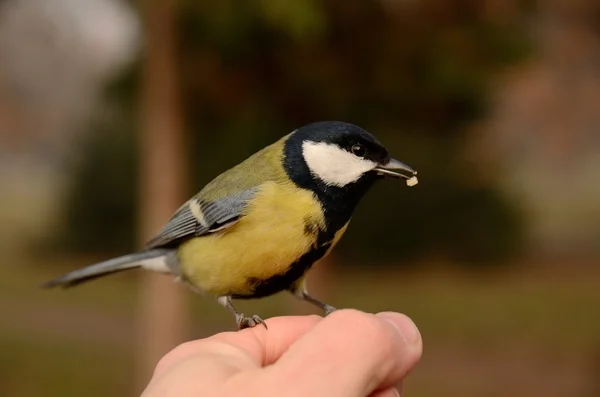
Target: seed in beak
pixel 412 181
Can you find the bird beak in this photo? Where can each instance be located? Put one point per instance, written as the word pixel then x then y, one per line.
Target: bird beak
pixel 397 169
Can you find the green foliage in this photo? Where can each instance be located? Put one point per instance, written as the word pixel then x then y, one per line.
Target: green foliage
pixel 415 76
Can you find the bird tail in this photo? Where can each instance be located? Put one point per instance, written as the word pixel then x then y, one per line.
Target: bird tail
pixel 155 260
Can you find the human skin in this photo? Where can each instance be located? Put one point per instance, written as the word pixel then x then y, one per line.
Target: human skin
pixel 346 354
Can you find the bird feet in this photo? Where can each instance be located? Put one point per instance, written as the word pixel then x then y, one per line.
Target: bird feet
pixel 244 322
pixel 328 309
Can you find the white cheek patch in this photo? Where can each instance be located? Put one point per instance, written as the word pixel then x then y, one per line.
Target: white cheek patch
pixel 334 165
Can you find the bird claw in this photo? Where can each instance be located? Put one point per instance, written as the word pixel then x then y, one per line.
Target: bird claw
pixel 329 309
pixel 244 322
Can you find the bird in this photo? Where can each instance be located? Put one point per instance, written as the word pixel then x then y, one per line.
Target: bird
pixel 257 228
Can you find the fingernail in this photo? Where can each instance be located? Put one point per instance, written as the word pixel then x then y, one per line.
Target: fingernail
pixel 405 325
pixel 400 388
pixel 391 392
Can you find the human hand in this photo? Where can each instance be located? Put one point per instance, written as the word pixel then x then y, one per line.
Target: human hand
pixel 346 354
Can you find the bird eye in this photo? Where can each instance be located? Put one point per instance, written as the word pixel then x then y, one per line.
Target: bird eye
pixel 359 150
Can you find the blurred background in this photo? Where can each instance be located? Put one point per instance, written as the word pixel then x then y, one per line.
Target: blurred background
pixel 113 112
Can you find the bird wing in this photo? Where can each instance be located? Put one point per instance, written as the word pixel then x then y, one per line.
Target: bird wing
pixel 198 217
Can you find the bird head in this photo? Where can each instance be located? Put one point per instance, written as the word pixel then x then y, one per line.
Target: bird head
pixel 331 156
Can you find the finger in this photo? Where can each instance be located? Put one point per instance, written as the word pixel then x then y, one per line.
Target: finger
pixel 350 353
pixel 224 355
pixel 251 347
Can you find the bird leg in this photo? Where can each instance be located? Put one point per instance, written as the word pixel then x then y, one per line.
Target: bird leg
pixel 302 294
pixel 241 320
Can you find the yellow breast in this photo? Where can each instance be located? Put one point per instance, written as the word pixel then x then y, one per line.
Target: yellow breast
pixel 269 237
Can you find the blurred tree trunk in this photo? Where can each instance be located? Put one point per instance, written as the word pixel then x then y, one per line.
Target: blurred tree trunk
pixel 163 321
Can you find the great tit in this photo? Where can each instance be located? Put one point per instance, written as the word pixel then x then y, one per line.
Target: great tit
pixel 257 229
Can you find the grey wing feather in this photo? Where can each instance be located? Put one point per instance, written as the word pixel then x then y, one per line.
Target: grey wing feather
pixel 182 224
pixel 197 218
pixel 222 211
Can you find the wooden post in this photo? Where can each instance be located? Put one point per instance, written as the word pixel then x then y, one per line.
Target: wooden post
pixel 163 320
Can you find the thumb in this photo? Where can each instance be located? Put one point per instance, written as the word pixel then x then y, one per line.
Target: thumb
pixel 349 354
